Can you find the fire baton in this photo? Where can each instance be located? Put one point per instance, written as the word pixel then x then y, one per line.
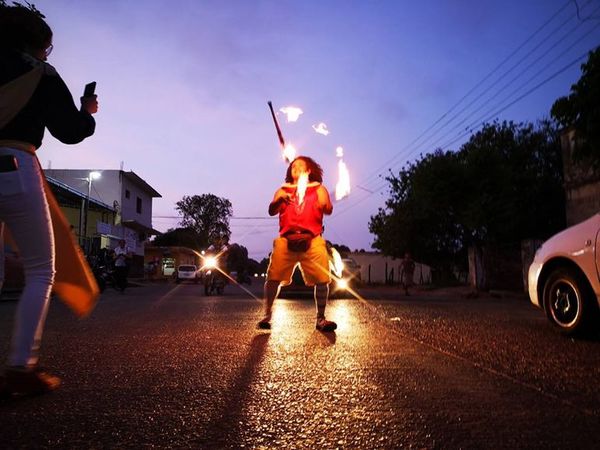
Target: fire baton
pixel 279 134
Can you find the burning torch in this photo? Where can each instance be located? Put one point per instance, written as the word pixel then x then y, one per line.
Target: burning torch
pixel 289 152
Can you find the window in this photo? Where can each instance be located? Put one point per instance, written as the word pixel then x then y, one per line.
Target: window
pixel 138 205
pixel 127 193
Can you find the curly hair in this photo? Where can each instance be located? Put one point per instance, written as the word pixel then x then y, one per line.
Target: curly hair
pixel 23 26
pixel 316 172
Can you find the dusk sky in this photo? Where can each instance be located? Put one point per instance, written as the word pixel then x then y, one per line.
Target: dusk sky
pixel 183 89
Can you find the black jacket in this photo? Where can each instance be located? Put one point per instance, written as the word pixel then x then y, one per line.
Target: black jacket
pixel 51 106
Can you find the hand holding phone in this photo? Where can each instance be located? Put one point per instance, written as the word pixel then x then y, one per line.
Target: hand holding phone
pixel 89 101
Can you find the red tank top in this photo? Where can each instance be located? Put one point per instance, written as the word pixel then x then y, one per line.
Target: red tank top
pixel 305 217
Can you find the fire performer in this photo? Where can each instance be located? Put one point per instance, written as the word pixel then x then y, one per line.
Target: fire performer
pixel 32 97
pixel 300 241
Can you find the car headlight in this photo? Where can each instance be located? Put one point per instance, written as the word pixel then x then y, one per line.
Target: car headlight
pixel 342 284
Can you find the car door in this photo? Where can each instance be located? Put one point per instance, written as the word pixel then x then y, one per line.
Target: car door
pixel 597 250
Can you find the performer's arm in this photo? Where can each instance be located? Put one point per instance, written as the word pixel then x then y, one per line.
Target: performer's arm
pixel 324 200
pixel 281 197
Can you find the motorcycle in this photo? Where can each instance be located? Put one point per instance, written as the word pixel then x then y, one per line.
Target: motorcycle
pixel 104 273
pixel 214 282
pixel 104 276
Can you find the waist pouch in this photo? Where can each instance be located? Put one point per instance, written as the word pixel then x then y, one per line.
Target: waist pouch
pixel 298 242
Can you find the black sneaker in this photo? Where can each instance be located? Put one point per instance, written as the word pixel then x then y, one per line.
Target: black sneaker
pixel 325 325
pixel 25 381
pixel 264 324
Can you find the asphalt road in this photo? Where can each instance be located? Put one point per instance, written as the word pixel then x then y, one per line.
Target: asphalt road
pixel 164 366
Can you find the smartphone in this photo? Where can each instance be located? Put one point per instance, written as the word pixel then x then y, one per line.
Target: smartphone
pixel 90 89
pixel 8 163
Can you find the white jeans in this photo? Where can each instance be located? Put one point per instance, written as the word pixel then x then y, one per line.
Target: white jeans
pixel 24 209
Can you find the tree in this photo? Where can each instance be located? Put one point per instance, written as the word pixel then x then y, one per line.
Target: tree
pixel 420 215
pixel 342 249
pixel 515 191
pixel 208 215
pixel 183 237
pixel 504 185
pixel 237 258
pixel 581 110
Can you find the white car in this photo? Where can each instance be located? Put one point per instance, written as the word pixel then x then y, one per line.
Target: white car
pixel 187 272
pixel 564 277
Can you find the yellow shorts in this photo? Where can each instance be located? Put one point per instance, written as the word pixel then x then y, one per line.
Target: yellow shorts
pixel 314 263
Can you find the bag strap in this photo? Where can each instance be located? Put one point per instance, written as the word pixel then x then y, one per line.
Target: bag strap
pixel 15 94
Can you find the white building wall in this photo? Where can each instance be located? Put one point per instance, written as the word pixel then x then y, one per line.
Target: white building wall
pixel 378 264
pixel 110 187
pixel 129 205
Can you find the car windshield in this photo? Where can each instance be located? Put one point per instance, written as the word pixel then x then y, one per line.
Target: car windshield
pixel 187 268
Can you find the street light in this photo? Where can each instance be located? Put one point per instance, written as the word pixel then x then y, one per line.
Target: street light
pixel 91 177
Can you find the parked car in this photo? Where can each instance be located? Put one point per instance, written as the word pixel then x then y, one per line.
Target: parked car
pixel 351 272
pixel 564 277
pixel 187 272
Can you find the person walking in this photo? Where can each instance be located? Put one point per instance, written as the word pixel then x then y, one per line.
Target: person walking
pixel 407 269
pixel 34 97
pixel 122 254
pixel 301 203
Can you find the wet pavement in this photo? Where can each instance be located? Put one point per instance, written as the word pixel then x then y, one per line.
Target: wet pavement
pixel 163 366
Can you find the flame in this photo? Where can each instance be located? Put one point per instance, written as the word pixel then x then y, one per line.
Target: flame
pixel 339 152
pixel 321 128
pixel 301 186
pixel 289 153
pixel 337 265
pixel 292 113
pixel 342 188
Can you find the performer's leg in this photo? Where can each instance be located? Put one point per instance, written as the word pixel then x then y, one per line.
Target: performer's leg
pixel 321 295
pixel 271 291
pixel 281 267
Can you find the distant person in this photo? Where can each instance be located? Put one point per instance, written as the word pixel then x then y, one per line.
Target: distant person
pixel 122 255
pixel 300 240
pixel 32 97
pixel 407 270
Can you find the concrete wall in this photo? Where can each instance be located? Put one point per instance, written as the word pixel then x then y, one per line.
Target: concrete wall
pixel 582 183
pixel 377 268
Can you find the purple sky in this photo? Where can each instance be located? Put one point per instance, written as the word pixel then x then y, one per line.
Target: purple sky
pixel 183 89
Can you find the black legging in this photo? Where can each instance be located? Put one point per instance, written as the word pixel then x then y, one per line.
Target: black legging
pixel 121 277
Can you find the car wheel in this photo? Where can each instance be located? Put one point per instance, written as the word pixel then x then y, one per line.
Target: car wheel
pixel 566 301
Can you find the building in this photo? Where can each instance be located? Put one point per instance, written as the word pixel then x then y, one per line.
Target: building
pixel 128 195
pixel 73 205
pixel 164 260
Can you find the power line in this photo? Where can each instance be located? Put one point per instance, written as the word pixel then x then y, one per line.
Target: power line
pixel 497 109
pixel 521 97
pixel 484 101
pixel 464 97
